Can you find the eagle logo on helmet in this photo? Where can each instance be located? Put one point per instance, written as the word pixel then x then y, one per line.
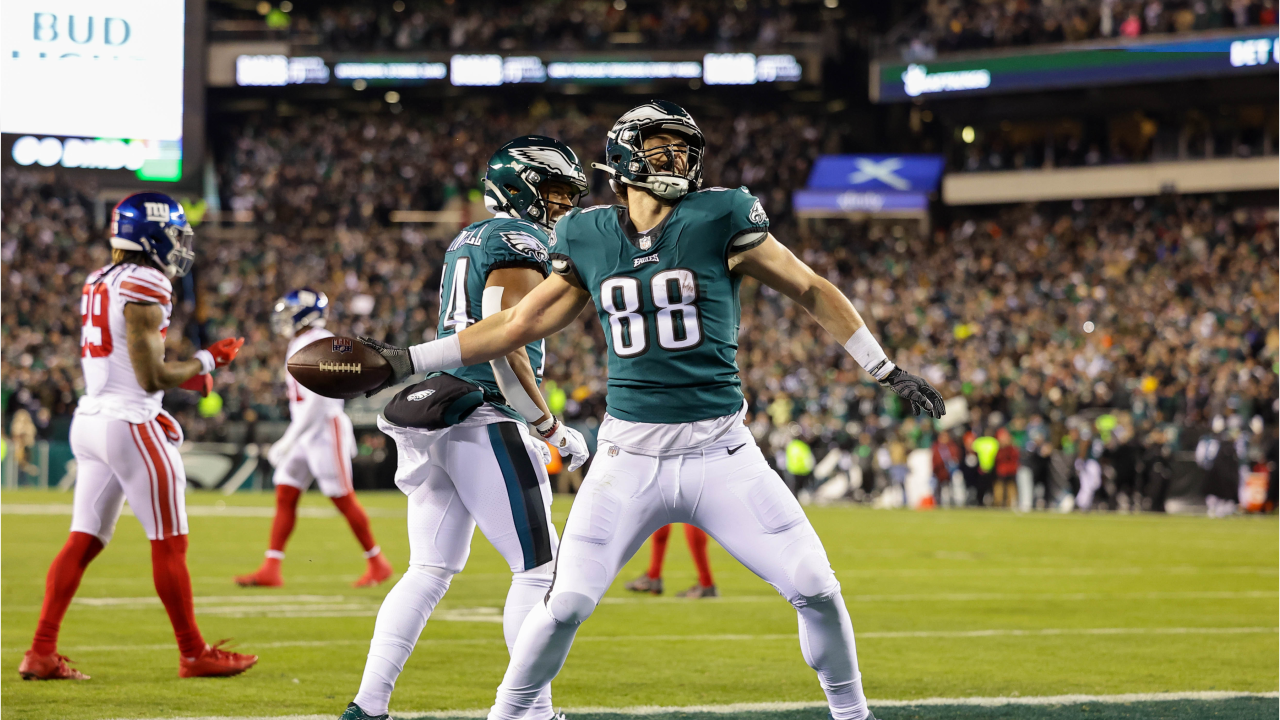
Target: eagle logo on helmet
pixel 525 244
pixel 547 157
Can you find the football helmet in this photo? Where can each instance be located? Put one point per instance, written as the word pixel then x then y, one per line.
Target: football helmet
pixel 629 163
pixel 155 224
pixel 298 309
pixel 517 169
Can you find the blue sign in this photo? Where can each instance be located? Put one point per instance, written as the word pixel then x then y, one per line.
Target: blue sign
pixel 852 201
pixel 883 173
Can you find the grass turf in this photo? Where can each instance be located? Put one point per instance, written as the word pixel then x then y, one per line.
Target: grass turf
pixel 1121 599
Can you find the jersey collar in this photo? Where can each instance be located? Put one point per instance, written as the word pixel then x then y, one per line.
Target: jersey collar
pixel 647 240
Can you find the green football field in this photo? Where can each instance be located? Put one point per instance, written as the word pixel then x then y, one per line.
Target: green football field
pixel 947 606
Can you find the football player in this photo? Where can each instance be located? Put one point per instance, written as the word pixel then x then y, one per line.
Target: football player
pixel 465 456
pixel 125 445
pixel 319 443
pixel 651 581
pixel 663 268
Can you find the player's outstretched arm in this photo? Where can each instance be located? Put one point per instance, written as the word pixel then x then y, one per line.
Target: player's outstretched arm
pixel 774 265
pixel 146 351
pixel 546 310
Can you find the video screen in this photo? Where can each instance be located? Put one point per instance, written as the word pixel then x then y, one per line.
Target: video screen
pixel 94 84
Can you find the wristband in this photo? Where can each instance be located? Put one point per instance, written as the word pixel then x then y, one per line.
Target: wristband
pixel 206 361
pixel 437 355
pixel 864 348
pixel 547 427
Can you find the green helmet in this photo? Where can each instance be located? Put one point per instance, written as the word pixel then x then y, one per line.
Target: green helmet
pixel 520 166
pixel 629 163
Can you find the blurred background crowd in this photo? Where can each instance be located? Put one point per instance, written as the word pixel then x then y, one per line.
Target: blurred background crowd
pixel 1157 314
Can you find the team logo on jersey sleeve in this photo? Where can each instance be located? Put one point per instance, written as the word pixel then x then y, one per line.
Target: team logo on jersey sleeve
pixel 525 244
pixel 420 395
pixel 757 216
pixel 342 345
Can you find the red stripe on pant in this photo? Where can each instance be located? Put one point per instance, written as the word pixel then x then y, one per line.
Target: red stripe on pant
pixel 164 481
pixel 173 476
pixel 135 431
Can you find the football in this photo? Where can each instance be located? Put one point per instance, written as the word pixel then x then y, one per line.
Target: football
pixel 339 367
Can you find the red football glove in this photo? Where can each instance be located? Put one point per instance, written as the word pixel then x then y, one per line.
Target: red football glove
pixel 202 384
pixel 224 351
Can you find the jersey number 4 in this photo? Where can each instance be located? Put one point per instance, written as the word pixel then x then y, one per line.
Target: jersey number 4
pixel 674 293
pixel 95 332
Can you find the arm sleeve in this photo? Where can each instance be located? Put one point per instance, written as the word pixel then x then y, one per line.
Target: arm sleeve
pixel 748 225
pixel 512 389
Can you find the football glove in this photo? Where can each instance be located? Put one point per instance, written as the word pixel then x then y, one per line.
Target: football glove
pixel 219 354
pixel 569 443
pixel 397 357
pixel 277 452
pixel 915 390
pixel 202 383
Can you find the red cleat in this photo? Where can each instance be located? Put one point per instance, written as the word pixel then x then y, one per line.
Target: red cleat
pixel 266 576
pixel 379 571
pixel 48 667
pixel 215 662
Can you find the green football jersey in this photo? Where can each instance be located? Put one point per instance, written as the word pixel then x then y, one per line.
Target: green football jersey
pixel 666 300
pixel 478 250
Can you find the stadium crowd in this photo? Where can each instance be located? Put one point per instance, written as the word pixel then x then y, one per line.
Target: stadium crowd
pixel 418 25
pixel 1159 314
pixel 951 25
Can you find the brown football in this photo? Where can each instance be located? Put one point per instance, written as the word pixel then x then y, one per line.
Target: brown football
pixel 339 367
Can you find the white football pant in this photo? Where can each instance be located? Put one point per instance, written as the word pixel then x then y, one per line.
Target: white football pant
pixel 117 459
pixel 491 475
pixel 323 454
pixel 729 491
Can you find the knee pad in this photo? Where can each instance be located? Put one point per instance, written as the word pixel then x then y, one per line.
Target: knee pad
pixel 570 608
pixel 814 580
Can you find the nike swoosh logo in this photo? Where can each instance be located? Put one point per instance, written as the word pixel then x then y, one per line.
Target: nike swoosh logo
pixel 736 449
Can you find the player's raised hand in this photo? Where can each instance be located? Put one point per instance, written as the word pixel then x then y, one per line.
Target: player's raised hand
pixel 569 443
pixel 917 391
pixel 397 357
pixel 219 354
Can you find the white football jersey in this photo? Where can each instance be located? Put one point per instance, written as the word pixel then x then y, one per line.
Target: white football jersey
pixel 306 406
pixel 111 387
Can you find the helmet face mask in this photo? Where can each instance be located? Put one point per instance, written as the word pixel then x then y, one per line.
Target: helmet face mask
pixel 520 167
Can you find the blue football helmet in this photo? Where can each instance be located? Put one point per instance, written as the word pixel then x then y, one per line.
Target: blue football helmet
pixel 155 224
pixel 298 309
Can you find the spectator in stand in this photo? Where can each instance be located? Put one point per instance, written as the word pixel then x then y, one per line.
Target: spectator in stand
pixel 987 449
pixel 947 457
pixel 1007 463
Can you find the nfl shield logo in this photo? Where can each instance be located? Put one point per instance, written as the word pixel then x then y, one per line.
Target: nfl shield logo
pixel 645 243
pixel 342 345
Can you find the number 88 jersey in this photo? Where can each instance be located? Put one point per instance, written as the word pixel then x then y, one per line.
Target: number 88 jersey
pixel 666 300
pixel 110 384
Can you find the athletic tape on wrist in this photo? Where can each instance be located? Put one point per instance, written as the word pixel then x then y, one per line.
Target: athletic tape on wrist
pixel 437 355
pixel 206 361
pixel 864 348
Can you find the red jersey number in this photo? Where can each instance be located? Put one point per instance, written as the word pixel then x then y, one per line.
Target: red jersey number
pixel 95 335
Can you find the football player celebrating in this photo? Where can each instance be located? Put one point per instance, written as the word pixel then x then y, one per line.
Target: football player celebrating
pixel 663 269
pixel 465 456
pixel 319 443
pixel 125 445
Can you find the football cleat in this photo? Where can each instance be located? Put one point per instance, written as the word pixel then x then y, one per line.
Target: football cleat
pixel 697 591
pixel 353 712
pixel 48 667
pixel 215 662
pixel 646 584
pixel 379 571
pixel 266 576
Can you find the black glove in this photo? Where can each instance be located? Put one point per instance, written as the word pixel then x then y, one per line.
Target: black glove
pixel 399 359
pixel 916 390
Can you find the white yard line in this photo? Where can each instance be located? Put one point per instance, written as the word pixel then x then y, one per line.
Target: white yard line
pixel 731 637
pixel 738 708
